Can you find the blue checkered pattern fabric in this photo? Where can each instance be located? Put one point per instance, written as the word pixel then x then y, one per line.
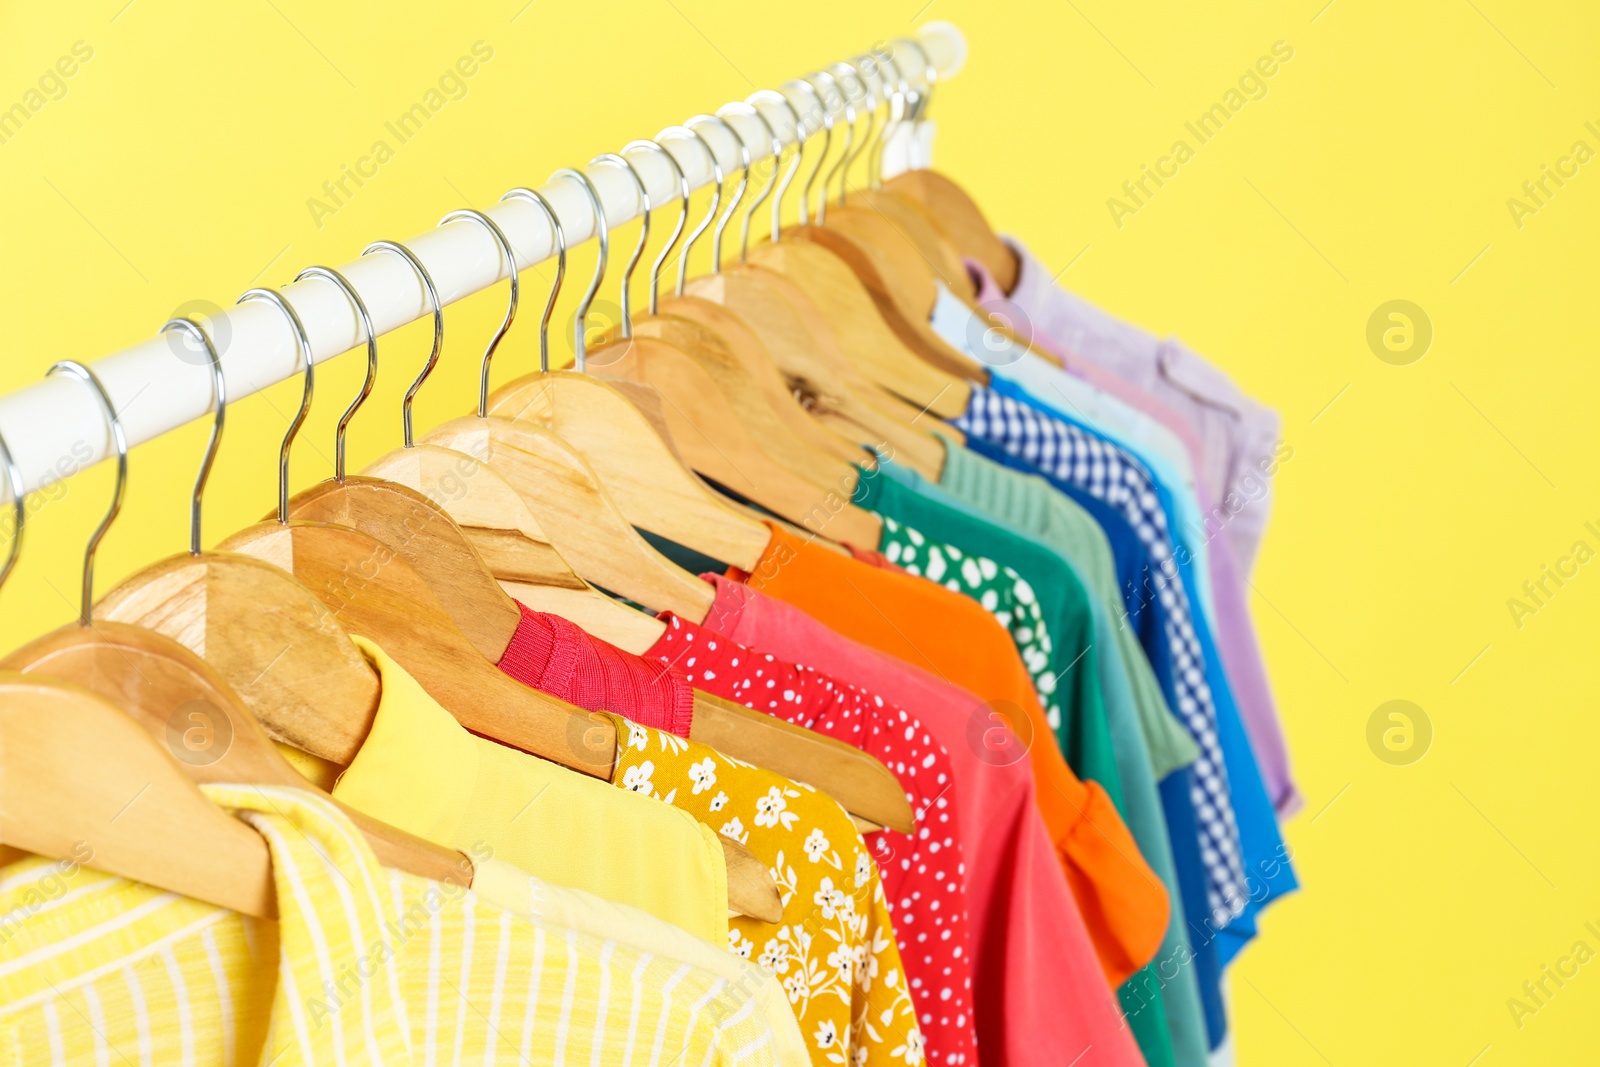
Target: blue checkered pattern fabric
pixel 1073 455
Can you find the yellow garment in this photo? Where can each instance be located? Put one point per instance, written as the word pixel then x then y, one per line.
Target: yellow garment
pixel 523 894
pixel 314 769
pixel 364 966
pixel 834 950
pixel 421 771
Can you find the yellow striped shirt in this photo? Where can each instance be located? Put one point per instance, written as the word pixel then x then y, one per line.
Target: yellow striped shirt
pixel 364 966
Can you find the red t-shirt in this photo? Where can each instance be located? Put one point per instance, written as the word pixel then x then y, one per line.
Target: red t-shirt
pixel 557 657
pixel 1040 994
pixel 924 874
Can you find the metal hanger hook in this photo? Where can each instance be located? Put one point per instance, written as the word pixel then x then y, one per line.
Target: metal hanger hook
pixel 800 136
pixel 219 405
pixel 849 108
pixel 741 107
pixel 432 292
pixel 119 441
pixel 804 84
pixel 683 214
pixel 302 345
pixel 858 68
pixel 930 74
pixel 504 242
pixel 19 508
pixel 559 236
pixel 716 200
pixel 331 275
pixel 899 91
pixel 621 162
pixel 877 86
pixel 855 93
pixel 602 232
pixel 738 194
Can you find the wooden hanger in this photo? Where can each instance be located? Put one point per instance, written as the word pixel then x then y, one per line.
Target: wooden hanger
pixel 236 610
pixel 557 485
pixel 860 329
pixel 272 640
pixel 958 218
pixel 400 517
pixel 914 364
pixel 761 397
pixel 788 327
pixel 372 590
pixel 897 252
pixel 424 535
pixel 512 544
pixel 913 229
pixel 396 609
pixel 266 636
pixel 468 493
pixel 635 460
pixel 793 344
pixel 371 587
pixel 183 703
pixel 793 407
pixel 707 429
pixel 800 413
pixel 573 506
pixel 709 432
pixel 575 512
pixel 83 782
pixel 899 279
pixel 154 680
pixel 824 343
pixel 860 783
pixel 747 377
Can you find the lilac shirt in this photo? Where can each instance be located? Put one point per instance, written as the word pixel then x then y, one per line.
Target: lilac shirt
pixel 993 300
pixel 1238 437
pixel 1233 629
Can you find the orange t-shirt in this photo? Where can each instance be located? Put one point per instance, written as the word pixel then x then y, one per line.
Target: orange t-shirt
pixel 954 638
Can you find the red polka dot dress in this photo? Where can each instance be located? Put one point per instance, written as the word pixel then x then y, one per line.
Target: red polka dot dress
pixel 923 872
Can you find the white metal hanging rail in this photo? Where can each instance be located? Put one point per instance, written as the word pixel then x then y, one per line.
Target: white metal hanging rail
pixel 56 426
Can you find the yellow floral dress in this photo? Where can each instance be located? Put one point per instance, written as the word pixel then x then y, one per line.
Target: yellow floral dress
pixel 834 951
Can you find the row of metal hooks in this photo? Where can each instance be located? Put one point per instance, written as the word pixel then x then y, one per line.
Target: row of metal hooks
pixel 873 79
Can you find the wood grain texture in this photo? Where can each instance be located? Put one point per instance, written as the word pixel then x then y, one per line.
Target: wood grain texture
pixel 860 783
pixel 184 705
pixel 267 637
pixel 863 336
pixel 577 513
pixel 371 590
pixel 511 543
pixel 426 537
pixel 899 280
pixel 713 437
pixel 815 374
pixel 787 444
pixel 793 407
pixel 959 219
pixel 84 782
pixel 641 469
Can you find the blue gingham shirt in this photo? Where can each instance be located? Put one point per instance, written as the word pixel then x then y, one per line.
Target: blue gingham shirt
pixel 1107 473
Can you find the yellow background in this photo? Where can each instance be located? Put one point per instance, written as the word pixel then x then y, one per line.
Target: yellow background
pixel 1378 166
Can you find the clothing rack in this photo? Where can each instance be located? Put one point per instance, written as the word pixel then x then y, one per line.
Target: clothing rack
pixel 56 427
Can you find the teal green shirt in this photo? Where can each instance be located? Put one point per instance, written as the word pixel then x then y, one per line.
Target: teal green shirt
pixel 932 534
pixel 1068 679
pixel 1030 504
